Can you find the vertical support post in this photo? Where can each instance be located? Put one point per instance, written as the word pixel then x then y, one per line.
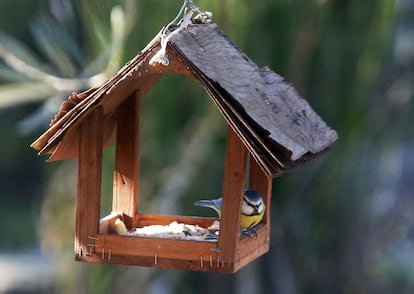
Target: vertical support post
pixel 260 182
pixel 89 181
pixel 126 174
pixel 233 187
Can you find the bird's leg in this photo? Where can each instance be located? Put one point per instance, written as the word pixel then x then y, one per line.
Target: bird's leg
pixel 249 232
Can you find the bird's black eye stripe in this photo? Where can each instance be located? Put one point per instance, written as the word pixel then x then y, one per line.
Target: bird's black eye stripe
pixel 255 207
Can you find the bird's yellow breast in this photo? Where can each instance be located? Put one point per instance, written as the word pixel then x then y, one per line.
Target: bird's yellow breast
pixel 249 221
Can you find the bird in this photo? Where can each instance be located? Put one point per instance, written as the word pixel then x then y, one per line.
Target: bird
pixel 252 211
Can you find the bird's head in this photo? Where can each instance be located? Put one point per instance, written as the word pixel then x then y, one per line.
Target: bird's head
pixel 252 203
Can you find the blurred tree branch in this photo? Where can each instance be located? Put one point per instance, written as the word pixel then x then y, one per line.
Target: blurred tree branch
pixel 28 79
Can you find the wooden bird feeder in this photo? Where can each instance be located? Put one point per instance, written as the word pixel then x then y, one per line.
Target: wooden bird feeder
pixel 267 120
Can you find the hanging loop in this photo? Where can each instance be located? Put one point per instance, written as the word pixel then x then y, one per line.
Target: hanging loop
pixel 187 10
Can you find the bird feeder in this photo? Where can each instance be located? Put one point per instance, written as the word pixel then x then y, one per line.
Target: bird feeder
pixel 270 130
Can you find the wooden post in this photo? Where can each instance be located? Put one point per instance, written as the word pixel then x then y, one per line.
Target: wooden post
pixel 233 187
pixel 126 174
pixel 260 182
pixel 89 181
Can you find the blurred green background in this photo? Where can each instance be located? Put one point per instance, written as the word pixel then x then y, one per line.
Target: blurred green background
pixel 342 223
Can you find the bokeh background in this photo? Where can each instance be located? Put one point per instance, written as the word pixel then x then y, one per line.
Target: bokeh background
pixel 343 223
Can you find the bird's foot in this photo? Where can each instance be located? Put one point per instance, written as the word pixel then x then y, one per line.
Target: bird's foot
pixel 249 232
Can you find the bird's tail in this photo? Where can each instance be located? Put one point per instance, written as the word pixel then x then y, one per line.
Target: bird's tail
pixel 205 203
pixel 214 204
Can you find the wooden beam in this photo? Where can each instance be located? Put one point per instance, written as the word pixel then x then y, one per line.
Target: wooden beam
pixel 89 181
pixel 262 183
pixel 233 186
pixel 126 174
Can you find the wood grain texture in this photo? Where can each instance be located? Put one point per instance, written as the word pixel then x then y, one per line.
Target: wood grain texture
pixel 253 247
pixel 176 254
pixel 262 183
pixel 233 187
pixel 89 180
pixel 257 98
pixel 266 117
pixel 278 127
pixel 126 173
pixel 202 264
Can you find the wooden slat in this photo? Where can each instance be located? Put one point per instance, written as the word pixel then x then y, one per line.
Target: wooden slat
pixel 177 254
pixel 202 264
pixel 262 183
pixel 89 180
pixel 233 186
pixel 253 247
pixel 126 174
pixel 155 247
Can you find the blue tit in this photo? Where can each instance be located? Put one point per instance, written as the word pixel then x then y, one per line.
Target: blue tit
pixel 252 211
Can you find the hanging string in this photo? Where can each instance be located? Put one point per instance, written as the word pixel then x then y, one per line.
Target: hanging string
pixel 187 10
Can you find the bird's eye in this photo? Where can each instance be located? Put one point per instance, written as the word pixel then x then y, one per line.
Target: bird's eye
pixel 257 207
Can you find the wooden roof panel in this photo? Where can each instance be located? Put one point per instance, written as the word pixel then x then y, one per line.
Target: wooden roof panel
pixel 278 127
pixel 264 96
